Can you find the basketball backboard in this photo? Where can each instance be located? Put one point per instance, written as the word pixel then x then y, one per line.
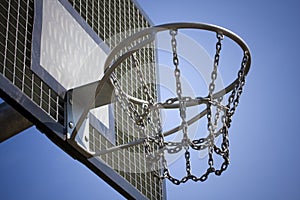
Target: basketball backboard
pixel 51 61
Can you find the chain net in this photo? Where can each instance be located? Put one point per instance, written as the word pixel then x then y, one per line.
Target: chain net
pixel 149 116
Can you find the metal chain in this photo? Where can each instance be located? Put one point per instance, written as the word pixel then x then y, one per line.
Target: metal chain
pixel 155 124
pixel 154 121
pixel 150 99
pixel 233 101
pixel 210 125
pixel 216 64
pixel 124 101
pixel 234 98
pixel 126 105
pixel 182 106
pixel 182 102
pixel 146 90
pixel 140 120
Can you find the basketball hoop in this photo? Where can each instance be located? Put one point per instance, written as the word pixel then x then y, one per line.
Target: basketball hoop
pixel 145 113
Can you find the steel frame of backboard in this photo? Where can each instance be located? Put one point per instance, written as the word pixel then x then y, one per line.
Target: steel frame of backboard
pixel 55 131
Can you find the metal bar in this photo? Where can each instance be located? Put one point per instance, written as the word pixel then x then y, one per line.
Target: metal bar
pixel 11 122
pixel 123 146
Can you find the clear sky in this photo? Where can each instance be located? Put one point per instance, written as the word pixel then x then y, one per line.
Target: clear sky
pixel 265 139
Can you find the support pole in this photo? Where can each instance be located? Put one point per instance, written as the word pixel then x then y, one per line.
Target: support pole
pixel 11 122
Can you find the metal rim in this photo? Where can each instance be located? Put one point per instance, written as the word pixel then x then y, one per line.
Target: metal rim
pixel 110 66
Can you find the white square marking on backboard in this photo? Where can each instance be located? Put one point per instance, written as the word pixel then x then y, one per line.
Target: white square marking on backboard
pixel 68 53
pixel 101 113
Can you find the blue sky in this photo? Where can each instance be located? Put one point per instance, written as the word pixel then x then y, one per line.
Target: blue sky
pixel 265 140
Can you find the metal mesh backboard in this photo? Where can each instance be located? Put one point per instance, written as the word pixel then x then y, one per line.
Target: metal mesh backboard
pixel 51 48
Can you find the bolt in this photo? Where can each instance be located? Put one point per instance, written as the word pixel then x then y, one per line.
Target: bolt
pixel 71 125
